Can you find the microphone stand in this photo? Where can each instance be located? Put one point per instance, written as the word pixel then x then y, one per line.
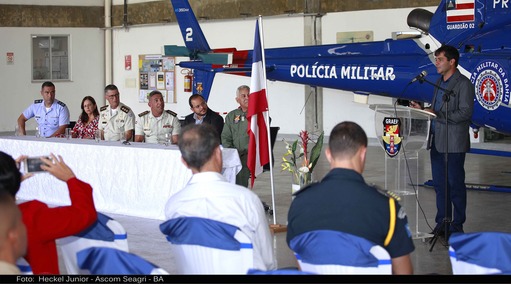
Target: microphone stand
pixel 447 220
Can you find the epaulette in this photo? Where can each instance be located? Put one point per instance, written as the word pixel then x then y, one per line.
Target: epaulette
pixel 387 193
pixel 125 109
pixel 103 108
pixel 38 101
pixel 61 103
pixel 143 113
pixel 171 112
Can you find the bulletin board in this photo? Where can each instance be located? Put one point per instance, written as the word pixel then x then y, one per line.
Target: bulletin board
pixel 157 72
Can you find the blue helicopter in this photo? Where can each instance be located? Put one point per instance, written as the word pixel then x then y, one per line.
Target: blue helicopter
pixel 393 68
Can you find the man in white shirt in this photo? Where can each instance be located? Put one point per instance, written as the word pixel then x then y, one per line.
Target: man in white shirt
pixel 157 125
pixel 209 195
pixel 116 120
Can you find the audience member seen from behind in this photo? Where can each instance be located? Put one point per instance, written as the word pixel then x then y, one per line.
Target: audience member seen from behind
pixel 51 115
pixel 202 113
pixel 217 198
pixel 87 123
pixel 13 235
pixel 44 224
pixel 116 120
pixel 349 205
pixel 234 134
pixel 158 124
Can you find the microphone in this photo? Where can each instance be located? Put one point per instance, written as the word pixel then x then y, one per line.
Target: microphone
pixel 420 76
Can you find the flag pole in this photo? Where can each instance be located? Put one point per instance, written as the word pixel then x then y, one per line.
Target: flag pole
pixel 275 227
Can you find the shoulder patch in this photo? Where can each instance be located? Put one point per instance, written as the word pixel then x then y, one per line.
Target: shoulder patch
pixel 125 109
pixel 171 112
pixel 103 108
pixel 61 103
pixel 38 101
pixel 387 193
pixel 143 113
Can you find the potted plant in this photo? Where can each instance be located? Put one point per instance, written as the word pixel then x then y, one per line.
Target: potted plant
pixel 301 164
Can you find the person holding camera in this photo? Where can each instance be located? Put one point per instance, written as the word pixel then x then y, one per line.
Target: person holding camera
pixel 44 224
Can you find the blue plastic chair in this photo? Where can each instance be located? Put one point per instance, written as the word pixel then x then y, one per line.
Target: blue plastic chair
pixel 334 252
pixel 204 246
pixel 282 271
pixel 111 261
pixel 24 266
pixel 105 232
pixel 480 253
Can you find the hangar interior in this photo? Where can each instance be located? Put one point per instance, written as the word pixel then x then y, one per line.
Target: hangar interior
pixel 486 209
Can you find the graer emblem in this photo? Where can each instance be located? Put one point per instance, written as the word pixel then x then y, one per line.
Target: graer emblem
pixel 391 138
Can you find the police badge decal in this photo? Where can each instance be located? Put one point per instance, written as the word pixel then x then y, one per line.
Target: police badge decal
pixel 391 138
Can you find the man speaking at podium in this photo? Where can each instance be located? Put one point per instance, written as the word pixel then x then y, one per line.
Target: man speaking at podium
pixel 452 138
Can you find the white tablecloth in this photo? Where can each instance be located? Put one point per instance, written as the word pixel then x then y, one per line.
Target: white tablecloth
pixel 135 180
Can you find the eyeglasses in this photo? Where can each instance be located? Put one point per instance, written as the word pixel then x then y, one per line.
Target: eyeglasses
pixel 112 96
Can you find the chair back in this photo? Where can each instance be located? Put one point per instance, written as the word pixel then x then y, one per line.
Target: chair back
pixel 204 246
pixel 105 232
pixel 480 253
pixel 334 252
pixel 281 271
pixel 24 266
pixel 112 261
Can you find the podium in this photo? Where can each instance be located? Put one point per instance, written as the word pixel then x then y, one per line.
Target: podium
pixel 401 140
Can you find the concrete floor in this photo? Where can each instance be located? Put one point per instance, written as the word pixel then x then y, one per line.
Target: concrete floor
pixel 486 210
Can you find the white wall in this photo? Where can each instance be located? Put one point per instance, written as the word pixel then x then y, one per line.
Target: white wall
pixel 18 91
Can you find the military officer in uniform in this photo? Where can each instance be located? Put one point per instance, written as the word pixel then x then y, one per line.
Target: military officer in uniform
pixel 234 134
pixel 116 120
pixel 343 202
pixel 52 115
pixel 157 125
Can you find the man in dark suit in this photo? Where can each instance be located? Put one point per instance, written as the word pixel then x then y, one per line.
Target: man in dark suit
pixel 202 113
pixel 460 93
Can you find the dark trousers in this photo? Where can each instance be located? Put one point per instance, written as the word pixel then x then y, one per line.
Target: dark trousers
pixel 457 196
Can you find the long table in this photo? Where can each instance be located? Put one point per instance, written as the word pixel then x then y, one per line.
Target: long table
pixel 134 180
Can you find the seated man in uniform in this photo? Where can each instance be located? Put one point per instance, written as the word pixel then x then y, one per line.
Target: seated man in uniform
pixel 157 125
pixel 202 113
pixel 116 120
pixel 349 205
pixel 234 134
pixel 52 115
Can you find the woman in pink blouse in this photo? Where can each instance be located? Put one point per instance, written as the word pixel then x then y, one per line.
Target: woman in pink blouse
pixel 87 123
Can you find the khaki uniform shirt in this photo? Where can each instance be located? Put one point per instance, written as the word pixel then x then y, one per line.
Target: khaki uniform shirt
pixel 114 126
pixel 154 128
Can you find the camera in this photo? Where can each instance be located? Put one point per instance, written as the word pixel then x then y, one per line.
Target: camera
pixel 33 164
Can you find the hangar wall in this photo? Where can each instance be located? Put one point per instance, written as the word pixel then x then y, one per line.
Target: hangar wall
pixel 286 100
